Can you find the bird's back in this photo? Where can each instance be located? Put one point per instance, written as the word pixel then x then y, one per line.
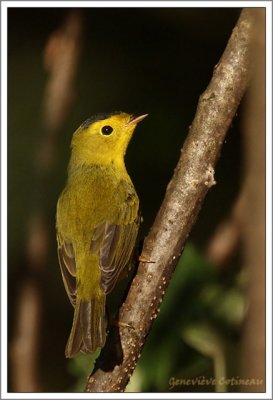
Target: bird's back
pixel 97 215
pixel 97 223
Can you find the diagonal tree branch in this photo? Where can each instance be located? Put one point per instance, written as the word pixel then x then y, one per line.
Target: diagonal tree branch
pixel 193 177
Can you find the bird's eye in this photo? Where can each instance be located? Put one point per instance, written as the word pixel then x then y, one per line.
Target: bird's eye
pixel 107 130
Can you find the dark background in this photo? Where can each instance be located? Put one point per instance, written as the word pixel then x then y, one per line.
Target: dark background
pixel 155 61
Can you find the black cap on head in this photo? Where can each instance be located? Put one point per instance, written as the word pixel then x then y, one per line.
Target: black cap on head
pixel 99 117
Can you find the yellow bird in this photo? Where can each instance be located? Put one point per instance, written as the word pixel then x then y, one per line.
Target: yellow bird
pixel 97 223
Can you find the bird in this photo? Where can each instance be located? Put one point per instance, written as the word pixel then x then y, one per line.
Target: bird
pixel 97 223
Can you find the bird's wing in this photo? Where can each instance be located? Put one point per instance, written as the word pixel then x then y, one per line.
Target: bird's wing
pixel 115 243
pixel 68 267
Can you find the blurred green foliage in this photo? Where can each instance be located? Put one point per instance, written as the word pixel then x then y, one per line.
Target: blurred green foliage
pixel 155 61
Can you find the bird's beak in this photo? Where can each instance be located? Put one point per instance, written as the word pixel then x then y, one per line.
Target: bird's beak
pixel 137 120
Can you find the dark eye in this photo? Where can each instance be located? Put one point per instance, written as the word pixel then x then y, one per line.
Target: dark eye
pixel 107 130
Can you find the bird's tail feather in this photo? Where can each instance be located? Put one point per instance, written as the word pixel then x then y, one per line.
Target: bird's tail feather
pixel 88 329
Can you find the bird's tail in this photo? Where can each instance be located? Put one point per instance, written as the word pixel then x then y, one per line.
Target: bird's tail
pixel 88 329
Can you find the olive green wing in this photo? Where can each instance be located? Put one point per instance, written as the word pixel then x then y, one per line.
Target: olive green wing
pixel 115 243
pixel 67 263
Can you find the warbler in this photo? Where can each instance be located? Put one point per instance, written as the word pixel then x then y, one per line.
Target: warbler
pixel 97 223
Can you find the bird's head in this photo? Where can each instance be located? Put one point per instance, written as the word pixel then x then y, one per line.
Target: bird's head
pixel 104 138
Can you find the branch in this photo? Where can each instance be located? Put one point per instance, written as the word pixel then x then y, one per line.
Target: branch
pixel 193 177
pixel 227 238
pixel 254 346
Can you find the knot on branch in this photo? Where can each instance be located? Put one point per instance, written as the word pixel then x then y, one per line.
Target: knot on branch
pixel 209 177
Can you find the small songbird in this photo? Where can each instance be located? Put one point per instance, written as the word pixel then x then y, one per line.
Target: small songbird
pixel 97 223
